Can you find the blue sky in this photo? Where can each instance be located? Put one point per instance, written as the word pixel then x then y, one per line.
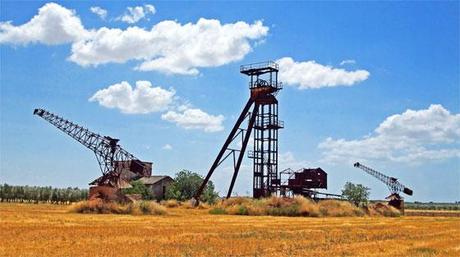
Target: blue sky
pixel 394 105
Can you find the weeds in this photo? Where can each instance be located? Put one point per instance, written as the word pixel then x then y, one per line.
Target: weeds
pixel 298 206
pixel 99 206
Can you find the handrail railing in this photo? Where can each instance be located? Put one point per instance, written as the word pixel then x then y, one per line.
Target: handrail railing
pixel 260 65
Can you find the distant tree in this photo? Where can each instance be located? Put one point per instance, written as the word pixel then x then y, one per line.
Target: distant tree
pixel 35 194
pixel 185 185
pixel 357 194
pixel 138 188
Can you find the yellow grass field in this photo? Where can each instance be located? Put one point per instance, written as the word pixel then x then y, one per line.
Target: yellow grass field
pixel 49 230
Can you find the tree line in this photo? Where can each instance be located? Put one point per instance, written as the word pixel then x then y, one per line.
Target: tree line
pixel 37 194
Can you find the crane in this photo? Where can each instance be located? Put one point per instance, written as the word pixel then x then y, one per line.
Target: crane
pixel 392 183
pixel 112 158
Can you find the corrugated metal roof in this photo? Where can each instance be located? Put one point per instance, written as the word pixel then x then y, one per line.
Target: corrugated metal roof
pixel 153 179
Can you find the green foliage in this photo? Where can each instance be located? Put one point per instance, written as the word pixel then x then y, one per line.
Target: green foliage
pixel 35 194
pixel 185 185
pixel 357 194
pixel 139 188
pixel 218 211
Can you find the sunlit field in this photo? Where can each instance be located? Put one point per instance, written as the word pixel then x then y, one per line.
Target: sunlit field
pixel 50 230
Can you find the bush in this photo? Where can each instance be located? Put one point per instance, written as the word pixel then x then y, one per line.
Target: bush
pixel 217 211
pixel 98 206
pixel 337 208
pixel 282 206
pixel 171 203
pixel 185 185
pixel 383 210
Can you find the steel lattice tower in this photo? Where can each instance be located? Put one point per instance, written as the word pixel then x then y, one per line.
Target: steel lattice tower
pixel 264 78
pixel 263 119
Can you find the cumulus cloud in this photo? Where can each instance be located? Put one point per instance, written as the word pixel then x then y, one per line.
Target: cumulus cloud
pixel 135 14
pixel 410 137
pixel 192 118
pixel 167 147
pixel 288 160
pixel 145 99
pixel 102 13
pixel 52 25
pixel 168 47
pixel 310 74
pixel 142 99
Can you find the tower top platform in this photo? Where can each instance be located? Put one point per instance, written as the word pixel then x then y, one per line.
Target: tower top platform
pixel 259 68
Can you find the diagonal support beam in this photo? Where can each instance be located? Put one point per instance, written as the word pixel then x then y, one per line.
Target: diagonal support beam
pixel 243 148
pixel 230 138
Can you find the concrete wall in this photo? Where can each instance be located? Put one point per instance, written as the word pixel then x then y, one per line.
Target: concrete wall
pixel 159 189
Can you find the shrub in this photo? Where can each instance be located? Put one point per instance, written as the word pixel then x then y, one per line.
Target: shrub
pixel 337 208
pixel 171 203
pixel 217 211
pixel 384 210
pixel 98 206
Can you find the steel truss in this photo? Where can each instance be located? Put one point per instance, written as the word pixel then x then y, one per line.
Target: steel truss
pixel 263 119
pixel 112 158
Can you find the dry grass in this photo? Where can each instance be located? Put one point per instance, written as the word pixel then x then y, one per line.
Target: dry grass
pixel 299 206
pixel 49 230
pixel 171 203
pixel 98 206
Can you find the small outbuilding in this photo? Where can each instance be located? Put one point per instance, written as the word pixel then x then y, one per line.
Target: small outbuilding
pixel 158 185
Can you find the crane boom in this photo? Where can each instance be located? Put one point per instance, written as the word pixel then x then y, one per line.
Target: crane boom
pixel 393 184
pixel 112 158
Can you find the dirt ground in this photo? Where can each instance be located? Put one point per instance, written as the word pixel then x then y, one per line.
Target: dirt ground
pixel 49 230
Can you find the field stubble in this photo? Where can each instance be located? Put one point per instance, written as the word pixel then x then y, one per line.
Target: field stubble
pixel 49 230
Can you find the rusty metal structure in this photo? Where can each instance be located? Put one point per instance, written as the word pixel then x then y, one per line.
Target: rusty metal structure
pixel 392 183
pixel 263 119
pixel 117 165
pixel 303 182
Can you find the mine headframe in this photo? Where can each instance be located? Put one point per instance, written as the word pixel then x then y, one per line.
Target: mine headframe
pixel 112 158
pixel 392 183
pixel 263 119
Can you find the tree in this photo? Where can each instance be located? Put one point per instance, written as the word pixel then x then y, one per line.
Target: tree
pixel 358 194
pixel 185 185
pixel 138 188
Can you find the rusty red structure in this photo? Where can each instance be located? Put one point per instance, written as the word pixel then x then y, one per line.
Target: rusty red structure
pixel 263 120
pixel 117 165
pixel 304 181
pixel 392 183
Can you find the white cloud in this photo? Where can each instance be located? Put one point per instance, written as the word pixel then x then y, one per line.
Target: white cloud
pixel 288 160
pixel 310 74
pixel 142 99
pixel 168 47
pixel 192 118
pixel 147 99
pixel 102 13
pixel 348 61
pixel 135 14
pixel 167 147
pixel 52 25
pixel 410 137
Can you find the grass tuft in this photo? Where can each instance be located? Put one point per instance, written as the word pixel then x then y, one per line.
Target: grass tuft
pixel 299 206
pixel 99 206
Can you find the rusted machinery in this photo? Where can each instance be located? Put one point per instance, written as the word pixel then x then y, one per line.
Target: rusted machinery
pixel 263 119
pixel 303 182
pixel 118 166
pixel 393 185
